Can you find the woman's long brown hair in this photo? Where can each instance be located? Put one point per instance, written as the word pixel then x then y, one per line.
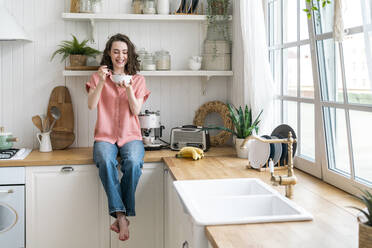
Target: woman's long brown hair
pixel 132 65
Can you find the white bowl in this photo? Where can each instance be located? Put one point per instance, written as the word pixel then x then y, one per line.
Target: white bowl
pixel 120 78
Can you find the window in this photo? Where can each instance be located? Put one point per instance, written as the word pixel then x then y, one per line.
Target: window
pixel 290 58
pixel 323 90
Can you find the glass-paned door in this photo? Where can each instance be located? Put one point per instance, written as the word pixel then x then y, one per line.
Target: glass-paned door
pixel 346 100
pixel 292 68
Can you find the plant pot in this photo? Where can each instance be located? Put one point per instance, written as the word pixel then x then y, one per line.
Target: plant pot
pixel 365 236
pixel 242 153
pixel 78 60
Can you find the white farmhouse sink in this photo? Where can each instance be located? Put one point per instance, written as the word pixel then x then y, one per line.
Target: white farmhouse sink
pixel 236 201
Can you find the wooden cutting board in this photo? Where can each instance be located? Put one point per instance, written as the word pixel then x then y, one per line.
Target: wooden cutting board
pixel 62 135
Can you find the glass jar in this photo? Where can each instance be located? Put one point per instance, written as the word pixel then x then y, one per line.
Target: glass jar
pixel 141 55
pixel 137 6
pixel 85 6
pixel 149 7
pixel 148 63
pixel 163 60
pixel 96 6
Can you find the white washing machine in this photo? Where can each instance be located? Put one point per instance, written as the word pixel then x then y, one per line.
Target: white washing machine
pixel 12 209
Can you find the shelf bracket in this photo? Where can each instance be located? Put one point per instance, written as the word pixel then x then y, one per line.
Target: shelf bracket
pixel 205 80
pixel 93 34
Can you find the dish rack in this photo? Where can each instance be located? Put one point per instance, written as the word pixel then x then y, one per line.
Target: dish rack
pixel 198 11
pixel 287 162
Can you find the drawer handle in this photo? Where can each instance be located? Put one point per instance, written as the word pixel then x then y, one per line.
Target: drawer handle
pixel 67 169
pixel 7 191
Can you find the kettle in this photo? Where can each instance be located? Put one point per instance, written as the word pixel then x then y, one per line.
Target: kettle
pixel 6 139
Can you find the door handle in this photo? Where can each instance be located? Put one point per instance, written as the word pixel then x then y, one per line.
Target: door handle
pixel 6 191
pixel 67 169
pixel 185 244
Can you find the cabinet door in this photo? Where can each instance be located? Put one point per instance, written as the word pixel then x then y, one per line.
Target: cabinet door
pixel 65 207
pixel 178 224
pixel 146 228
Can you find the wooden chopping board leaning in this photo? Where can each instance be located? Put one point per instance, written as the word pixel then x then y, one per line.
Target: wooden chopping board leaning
pixel 62 135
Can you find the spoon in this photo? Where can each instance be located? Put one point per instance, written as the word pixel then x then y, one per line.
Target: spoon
pixel 37 122
pixel 56 114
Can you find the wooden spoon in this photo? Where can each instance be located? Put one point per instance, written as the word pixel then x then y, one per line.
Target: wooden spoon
pixel 37 122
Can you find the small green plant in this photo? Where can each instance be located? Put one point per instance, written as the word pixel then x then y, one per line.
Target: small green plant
pixel 242 122
pixel 74 47
pixel 366 199
pixel 314 6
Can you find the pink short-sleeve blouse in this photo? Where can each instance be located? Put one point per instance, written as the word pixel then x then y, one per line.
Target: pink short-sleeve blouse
pixel 115 122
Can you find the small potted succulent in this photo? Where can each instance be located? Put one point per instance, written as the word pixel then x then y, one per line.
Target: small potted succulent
pixel 76 51
pixel 365 220
pixel 244 126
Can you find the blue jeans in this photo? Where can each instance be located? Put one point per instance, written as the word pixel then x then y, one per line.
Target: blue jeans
pixel 120 195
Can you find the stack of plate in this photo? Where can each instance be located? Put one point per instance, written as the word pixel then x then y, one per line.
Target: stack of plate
pixel 259 153
pixel 183 6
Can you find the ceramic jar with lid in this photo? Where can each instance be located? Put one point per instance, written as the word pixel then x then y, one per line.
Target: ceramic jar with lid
pixel 149 7
pixel 6 139
pixel 163 60
pixel 148 63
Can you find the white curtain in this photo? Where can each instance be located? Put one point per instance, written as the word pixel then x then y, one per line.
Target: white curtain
pixel 366 6
pixel 258 82
pixel 338 23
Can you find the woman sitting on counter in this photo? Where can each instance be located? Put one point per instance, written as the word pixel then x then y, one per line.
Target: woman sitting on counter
pixel 117 129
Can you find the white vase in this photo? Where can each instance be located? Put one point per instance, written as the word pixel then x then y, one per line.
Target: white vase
pixel 241 152
pixel 163 7
pixel 96 6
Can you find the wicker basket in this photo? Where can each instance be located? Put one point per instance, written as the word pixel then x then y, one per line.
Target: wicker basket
pixel 78 60
pixel 365 236
pixel 216 62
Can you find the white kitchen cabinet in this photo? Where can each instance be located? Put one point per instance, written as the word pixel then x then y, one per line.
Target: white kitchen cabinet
pixel 146 228
pixel 178 224
pixel 66 207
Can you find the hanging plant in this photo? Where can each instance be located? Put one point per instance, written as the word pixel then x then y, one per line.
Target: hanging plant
pixel 314 6
pixel 218 17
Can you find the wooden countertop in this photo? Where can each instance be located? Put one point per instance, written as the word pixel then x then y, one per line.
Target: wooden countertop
pixel 76 156
pixel 334 224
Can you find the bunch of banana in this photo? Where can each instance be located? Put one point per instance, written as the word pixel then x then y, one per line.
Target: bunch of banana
pixel 190 152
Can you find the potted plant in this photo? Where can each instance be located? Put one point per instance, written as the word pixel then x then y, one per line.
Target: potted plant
pixel 76 51
pixel 365 221
pixel 244 126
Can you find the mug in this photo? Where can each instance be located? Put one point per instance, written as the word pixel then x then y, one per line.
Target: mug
pixel 44 140
pixel 148 140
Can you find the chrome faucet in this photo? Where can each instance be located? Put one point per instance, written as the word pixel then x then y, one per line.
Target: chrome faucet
pixel 288 180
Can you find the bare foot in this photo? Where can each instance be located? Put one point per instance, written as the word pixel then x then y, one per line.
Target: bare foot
pixel 115 226
pixel 123 227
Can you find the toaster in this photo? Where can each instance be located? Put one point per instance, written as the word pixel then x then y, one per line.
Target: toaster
pixel 189 135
